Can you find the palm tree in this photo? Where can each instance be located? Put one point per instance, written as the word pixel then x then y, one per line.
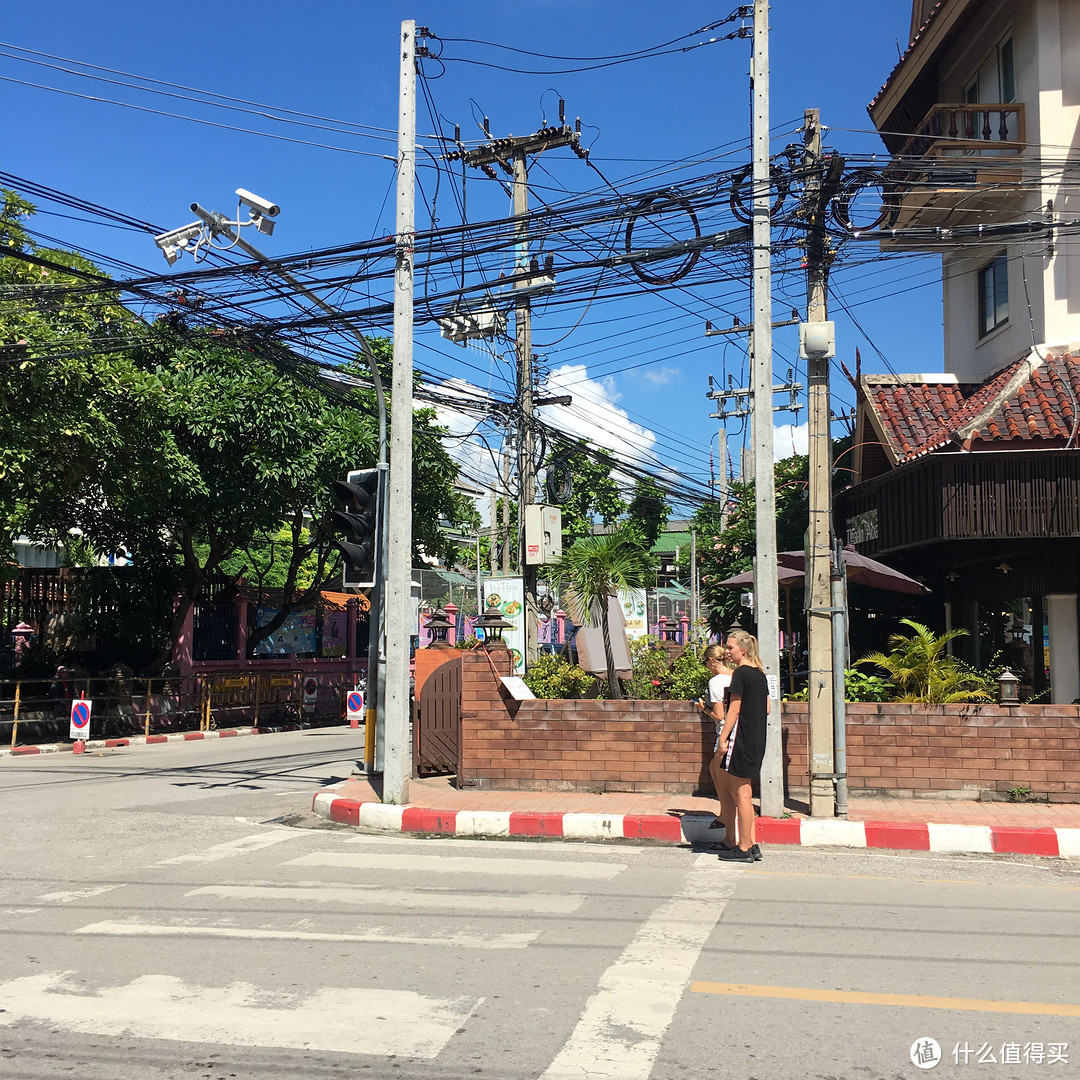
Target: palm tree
pixel 597 568
pixel 922 671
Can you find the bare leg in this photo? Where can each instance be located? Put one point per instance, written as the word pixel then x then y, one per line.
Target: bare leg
pixel 721 782
pixel 743 794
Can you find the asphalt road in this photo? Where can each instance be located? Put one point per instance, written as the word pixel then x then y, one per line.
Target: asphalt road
pixel 160 920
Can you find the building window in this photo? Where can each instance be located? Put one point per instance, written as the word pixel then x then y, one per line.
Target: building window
pixel 993 295
pixel 1007 72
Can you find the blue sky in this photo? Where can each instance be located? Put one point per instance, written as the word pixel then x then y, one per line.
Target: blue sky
pixel 638 367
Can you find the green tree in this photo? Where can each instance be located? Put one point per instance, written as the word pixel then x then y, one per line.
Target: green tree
pixel 595 493
pixel 922 671
pixel 189 451
pixel 649 510
pixel 597 568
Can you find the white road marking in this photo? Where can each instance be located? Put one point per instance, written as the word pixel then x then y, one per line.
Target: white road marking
pixel 524 846
pixel 228 850
pixel 621 1028
pixel 372 936
pixel 19 911
pixel 69 896
pixel 457 864
pixel 428 899
pixel 345 1020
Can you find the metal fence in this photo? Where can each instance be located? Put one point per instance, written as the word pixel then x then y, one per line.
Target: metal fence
pixel 39 710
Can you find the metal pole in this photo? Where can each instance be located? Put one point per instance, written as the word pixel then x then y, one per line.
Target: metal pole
pixel 767 613
pixel 397 766
pixel 818 573
pixel 526 465
pixel 839 649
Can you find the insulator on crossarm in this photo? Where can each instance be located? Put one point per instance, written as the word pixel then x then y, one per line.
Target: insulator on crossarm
pixel 562 111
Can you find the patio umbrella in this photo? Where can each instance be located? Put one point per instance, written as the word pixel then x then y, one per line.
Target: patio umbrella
pixel 786 579
pixel 862 570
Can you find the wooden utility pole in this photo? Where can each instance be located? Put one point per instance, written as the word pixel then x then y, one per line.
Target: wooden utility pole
pixel 511 154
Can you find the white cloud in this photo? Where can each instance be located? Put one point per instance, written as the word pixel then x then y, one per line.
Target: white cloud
pixel 660 376
pixel 595 415
pixel 789 439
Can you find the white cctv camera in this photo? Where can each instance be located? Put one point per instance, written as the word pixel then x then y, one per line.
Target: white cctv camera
pixel 259 207
pixel 181 238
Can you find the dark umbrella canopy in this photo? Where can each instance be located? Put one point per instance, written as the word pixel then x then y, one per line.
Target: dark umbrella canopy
pixel 785 577
pixel 862 570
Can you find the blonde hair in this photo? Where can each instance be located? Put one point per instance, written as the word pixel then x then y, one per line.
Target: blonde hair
pixel 748 644
pixel 713 652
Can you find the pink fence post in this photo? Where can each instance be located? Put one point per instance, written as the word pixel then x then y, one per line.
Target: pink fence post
pixel 451 611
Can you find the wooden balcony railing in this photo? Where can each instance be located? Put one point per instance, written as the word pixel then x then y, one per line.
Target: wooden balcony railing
pixel 968 129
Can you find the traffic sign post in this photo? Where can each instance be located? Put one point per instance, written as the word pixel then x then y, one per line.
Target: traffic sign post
pixel 354 708
pixel 311 693
pixel 80 721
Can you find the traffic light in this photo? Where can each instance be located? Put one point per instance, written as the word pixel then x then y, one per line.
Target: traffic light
pixel 359 522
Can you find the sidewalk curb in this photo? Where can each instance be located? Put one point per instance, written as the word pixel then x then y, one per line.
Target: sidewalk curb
pixel 153 740
pixel 693 828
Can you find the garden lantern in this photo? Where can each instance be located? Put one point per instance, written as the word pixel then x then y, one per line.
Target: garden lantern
pixel 1008 688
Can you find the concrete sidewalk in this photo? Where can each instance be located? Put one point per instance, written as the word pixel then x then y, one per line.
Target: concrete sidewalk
pixel 946 825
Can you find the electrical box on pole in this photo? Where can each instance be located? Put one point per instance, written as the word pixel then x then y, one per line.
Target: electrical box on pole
pixel 543 534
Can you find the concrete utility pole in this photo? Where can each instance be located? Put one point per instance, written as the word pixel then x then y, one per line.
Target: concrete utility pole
pixel 767 616
pixel 511 155
pixel 820 185
pixel 397 766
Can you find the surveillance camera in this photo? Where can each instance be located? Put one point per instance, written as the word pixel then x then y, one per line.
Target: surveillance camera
pixel 259 207
pixel 265 225
pixel 180 238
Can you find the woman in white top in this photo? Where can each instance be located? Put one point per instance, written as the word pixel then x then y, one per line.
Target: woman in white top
pixel 715 659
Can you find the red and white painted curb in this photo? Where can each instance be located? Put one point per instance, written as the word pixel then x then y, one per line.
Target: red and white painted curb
pixel 898 836
pixel 152 740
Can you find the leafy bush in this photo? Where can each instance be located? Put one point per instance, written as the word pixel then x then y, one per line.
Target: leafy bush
pixel 553 677
pixel 921 670
pixel 651 676
pixel 689 675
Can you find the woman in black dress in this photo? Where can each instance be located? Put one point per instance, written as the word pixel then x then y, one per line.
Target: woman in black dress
pixel 742 740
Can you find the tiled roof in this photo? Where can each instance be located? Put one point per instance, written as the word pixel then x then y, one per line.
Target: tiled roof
pixel 911 45
pixel 1036 399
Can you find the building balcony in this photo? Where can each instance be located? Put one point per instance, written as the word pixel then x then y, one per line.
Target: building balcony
pixel 960 165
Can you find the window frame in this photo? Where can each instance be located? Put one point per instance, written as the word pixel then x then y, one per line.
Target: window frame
pixel 994 272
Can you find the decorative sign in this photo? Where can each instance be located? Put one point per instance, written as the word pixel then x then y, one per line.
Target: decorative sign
pixel 862 527
pixel 508 595
pixel 80 719
pixel 517 688
pixel 634 612
pixel 354 708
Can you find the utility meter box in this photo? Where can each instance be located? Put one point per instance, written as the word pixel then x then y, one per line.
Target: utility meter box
pixel 543 535
pixel 817 340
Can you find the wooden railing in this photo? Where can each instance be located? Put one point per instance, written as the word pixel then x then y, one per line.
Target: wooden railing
pixel 970 129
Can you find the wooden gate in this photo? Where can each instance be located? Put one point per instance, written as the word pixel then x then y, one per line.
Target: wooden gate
pixel 437 723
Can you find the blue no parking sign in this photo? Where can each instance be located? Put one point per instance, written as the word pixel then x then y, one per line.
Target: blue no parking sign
pixel 354 707
pixel 80 719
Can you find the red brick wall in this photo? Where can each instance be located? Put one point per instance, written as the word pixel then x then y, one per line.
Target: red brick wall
pixel 666 745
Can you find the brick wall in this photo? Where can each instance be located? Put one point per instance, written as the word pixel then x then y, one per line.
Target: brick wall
pixel 666 745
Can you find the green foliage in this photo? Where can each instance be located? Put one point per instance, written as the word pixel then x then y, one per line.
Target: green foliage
pixel 921 670
pixel 858 686
pixel 196 450
pixel 553 677
pixel 648 511
pixel 651 678
pixel 689 676
pixel 1020 794
pixel 596 568
pixel 595 492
